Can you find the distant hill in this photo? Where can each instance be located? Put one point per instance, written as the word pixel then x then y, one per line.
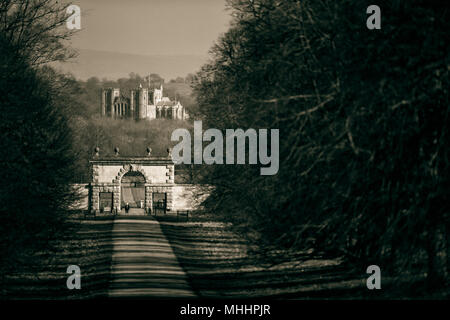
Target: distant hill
pixel 113 65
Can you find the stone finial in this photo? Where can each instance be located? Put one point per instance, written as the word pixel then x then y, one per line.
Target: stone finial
pixel 116 151
pixel 149 151
pixel 169 152
pixel 96 150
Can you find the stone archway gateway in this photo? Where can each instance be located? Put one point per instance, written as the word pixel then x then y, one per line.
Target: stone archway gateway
pixel 158 176
pixel 132 189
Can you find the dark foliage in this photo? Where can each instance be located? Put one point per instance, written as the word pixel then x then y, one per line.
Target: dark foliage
pixel 364 129
pixel 36 162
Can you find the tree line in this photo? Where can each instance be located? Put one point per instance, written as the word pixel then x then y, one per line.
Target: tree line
pixel 364 136
pixel 37 158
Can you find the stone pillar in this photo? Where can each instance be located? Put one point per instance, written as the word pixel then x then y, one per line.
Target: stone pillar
pixel 116 197
pixel 95 201
pixel 169 193
pixel 148 198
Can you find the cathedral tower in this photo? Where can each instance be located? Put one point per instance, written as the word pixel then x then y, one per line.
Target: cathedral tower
pixel 139 102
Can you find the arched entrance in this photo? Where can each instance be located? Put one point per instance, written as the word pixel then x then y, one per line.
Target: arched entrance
pixel 118 180
pixel 133 192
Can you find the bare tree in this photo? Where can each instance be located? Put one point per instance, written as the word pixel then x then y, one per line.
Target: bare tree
pixel 37 29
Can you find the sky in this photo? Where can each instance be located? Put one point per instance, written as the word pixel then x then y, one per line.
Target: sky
pixel 151 27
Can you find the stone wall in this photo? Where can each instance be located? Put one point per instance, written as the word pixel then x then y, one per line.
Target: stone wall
pixel 179 196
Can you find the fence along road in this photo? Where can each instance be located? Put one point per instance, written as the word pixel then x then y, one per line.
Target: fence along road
pixel 143 262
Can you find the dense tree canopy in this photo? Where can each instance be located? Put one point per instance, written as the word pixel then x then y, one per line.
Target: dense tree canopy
pixel 363 118
pixel 37 159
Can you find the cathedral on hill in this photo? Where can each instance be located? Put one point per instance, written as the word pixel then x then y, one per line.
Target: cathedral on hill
pixel 143 103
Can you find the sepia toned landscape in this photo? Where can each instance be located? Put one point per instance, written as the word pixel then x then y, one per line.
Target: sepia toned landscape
pixel 224 149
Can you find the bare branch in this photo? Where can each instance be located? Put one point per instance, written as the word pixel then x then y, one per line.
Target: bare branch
pixel 401 103
pixel 300 96
pixel 317 107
